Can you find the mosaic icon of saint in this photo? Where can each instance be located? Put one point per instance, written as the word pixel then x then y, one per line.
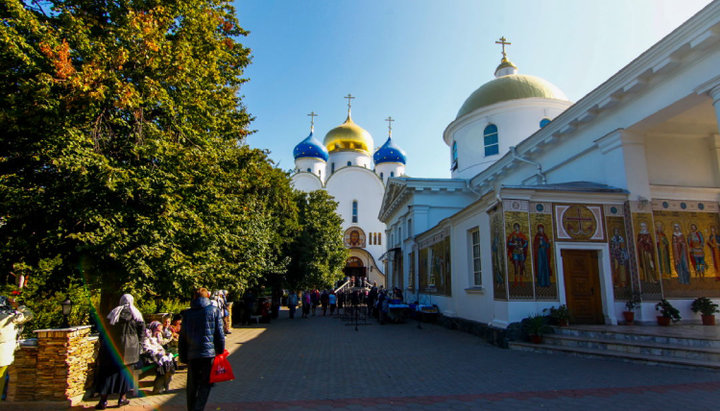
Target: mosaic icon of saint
pixel 618 259
pixel 646 254
pixel 680 255
pixel 663 249
pixel 697 250
pixel 517 244
pixel 542 248
pixel 714 244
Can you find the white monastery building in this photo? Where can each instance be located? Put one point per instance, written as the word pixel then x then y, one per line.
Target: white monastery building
pixel 349 167
pixel 552 202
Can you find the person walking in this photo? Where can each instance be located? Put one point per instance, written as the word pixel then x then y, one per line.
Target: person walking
pixel 11 319
pixel 119 351
pixel 292 302
pixel 324 301
pixel 201 339
pixel 332 298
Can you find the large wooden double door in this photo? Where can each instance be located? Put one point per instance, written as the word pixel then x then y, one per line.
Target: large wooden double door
pixel 582 286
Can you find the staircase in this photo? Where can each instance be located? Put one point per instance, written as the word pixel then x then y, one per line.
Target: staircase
pixel 646 344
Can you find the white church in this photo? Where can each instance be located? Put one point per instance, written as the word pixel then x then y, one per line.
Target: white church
pixel 351 169
pixel 552 202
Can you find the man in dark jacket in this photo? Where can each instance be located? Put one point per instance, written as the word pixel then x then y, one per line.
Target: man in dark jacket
pixel 201 338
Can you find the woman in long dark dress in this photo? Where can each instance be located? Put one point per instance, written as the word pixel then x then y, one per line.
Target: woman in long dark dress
pixel 126 331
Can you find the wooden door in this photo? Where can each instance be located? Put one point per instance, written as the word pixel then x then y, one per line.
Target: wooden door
pixel 582 286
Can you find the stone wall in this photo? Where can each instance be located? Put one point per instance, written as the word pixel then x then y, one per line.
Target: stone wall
pixel 57 366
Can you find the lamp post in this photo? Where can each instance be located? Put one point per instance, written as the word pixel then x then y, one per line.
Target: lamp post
pixel 66 309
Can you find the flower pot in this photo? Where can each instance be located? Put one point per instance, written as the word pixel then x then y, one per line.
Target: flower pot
pixel 536 339
pixel 663 320
pixel 629 317
pixel 708 319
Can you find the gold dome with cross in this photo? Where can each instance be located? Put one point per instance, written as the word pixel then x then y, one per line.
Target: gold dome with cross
pixel 349 136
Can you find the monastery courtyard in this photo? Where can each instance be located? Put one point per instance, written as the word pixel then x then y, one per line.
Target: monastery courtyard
pixel 320 363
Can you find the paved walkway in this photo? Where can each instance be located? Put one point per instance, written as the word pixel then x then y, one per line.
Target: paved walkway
pixel 320 363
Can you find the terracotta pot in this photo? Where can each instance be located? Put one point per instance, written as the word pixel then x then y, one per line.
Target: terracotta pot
pixel 536 339
pixel 629 317
pixel 663 320
pixel 708 319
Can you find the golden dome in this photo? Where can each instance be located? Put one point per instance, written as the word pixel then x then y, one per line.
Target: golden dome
pixel 348 136
pixel 510 87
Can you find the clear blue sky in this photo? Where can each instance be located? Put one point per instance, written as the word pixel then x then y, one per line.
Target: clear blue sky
pixel 418 60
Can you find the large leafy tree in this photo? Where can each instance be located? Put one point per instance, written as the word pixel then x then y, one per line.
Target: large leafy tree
pixel 318 253
pixel 122 161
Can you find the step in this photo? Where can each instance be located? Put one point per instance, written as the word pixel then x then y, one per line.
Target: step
pixel 636 347
pixel 589 352
pixel 640 334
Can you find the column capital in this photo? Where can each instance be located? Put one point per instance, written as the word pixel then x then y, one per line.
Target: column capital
pixel 714 93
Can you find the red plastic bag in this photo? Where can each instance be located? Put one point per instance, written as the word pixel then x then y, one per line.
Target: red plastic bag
pixel 221 370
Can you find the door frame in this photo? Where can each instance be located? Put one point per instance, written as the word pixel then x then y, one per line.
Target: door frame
pixel 604 270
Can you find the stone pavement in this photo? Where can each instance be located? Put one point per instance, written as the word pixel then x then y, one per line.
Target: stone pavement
pixel 320 363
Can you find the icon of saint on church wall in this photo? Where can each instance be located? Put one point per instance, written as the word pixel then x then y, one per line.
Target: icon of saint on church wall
pixel 681 254
pixel 713 243
pixel 497 245
pixel 647 267
pixel 542 256
pixel 696 244
pixel 354 237
pixel 663 250
pixel 517 251
pixel 619 256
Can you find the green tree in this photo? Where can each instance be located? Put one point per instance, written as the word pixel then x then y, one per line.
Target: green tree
pixel 122 157
pixel 318 253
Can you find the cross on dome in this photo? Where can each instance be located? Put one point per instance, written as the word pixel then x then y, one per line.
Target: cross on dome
pixel 389 120
pixel 503 42
pixel 312 121
pixel 349 98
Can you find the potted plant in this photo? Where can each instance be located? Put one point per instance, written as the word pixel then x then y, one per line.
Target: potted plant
pixel 707 308
pixel 667 312
pixel 632 303
pixel 559 316
pixel 535 326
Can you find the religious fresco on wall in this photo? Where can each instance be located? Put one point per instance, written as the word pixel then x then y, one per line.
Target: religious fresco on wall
pixel 646 254
pixel 440 266
pixel 579 222
pixel 354 237
pixel 425 282
pixel 497 245
pixel 619 257
pixel 687 248
pixel 517 252
pixel 543 252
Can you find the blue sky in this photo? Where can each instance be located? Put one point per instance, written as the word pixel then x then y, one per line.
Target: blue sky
pixel 418 60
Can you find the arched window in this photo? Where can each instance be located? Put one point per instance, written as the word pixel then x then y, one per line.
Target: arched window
pixel 453 159
pixel 309 170
pixel 379 240
pixel 349 163
pixel 381 176
pixel 392 174
pixel 332 168
pixel 544 122
pixel 490 140
pixel 355 211
pixel 319 173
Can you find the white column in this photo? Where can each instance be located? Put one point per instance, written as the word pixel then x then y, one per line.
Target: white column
pixel 625 165
pixel 715 95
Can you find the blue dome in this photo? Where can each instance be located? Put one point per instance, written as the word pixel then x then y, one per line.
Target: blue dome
pixel 389 153
pixel 310 147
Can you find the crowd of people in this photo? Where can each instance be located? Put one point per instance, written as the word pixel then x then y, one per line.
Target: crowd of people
pixel 376 299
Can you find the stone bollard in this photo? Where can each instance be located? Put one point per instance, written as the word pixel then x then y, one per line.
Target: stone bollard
pixel 58 368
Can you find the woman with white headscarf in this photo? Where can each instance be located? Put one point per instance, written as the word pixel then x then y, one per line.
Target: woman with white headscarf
pixel 119 351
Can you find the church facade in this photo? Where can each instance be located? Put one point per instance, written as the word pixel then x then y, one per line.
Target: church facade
pixel 351 169
pixel 586 204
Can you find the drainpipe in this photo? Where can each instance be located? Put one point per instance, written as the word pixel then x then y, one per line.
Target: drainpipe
pixel 539 173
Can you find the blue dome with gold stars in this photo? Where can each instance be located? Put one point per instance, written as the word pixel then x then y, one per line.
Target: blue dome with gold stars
pixel 389 153
pixel 310 147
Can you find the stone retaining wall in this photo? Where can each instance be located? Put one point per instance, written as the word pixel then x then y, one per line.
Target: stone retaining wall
pixel 56 366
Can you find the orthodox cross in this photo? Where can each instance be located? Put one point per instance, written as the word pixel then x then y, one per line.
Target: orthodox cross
pixel 503 41
pixel 579 220
pixel 389 120
pixel 312 120
pixel 349 98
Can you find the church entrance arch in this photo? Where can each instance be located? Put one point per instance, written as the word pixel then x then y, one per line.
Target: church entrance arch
pixel 354 268
pixel 582 285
